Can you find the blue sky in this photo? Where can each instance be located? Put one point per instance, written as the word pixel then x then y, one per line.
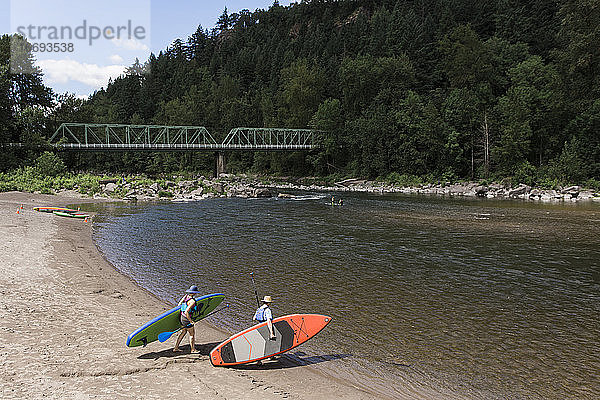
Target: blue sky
pixel 92 61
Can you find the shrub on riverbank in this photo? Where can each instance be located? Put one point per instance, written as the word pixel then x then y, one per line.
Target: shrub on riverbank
pixel 50 164
pixel 164 193
pixel 47 175
pixel 402 179
pixel 31 179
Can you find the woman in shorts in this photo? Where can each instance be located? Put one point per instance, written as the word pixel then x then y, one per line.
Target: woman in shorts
pixel 187 303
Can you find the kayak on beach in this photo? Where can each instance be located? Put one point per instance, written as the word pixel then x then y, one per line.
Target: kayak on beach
pixel 169 321
pixel 53 209
pixel 70 215
pixel 253 344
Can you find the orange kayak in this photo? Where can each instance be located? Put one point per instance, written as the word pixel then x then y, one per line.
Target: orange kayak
pixel 52 209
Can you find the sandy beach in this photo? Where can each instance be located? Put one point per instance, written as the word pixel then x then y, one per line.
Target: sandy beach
pixel 66 312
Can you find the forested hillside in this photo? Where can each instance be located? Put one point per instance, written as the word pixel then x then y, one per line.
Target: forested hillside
pixel 457 89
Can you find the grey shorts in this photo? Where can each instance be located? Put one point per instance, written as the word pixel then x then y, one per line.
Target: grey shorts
pixel 184 321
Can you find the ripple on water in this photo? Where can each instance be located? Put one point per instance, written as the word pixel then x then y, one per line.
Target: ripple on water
pixel 427 300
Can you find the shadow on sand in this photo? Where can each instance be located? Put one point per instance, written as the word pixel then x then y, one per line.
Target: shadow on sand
pixel 291 360
pixel 203 350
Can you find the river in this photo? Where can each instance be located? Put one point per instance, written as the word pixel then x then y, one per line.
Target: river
pixel 430 296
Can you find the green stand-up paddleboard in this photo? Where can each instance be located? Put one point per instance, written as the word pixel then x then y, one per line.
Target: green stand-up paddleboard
pixel 169 321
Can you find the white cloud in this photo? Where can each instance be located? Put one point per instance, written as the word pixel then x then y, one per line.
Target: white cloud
pixel 63 71
pixel 116 59
pixel 130 44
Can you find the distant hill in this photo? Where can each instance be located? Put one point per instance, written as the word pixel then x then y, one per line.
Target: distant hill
pixel 457 89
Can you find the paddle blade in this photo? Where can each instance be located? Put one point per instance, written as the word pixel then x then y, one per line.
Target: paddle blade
pixel 164 336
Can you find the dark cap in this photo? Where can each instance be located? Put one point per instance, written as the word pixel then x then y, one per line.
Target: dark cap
pixel 193 289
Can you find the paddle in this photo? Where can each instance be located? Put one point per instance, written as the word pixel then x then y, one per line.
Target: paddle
pixel 254 286
pixel 163 337
pixel 258 302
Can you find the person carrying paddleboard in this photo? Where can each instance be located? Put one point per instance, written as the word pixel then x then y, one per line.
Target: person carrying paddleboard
pixel 264 314
pixel 187 303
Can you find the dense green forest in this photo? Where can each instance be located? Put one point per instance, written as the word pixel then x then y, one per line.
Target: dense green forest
pixel 440 89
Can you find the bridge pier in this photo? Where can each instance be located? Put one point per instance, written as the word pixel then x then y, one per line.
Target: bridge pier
pixel 220 163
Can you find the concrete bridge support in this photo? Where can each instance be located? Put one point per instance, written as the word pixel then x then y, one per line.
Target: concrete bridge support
pixel 220 163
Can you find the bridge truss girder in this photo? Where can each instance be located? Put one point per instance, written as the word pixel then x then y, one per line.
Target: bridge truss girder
pixel 112 137
pixel 75 136
pixel 270 139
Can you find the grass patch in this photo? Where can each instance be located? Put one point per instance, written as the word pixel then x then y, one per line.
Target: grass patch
pixel 163 193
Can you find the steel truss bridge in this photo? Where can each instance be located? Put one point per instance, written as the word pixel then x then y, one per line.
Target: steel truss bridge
pixel 118 137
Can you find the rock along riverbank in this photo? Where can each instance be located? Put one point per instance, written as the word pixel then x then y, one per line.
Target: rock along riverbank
pixel 248 186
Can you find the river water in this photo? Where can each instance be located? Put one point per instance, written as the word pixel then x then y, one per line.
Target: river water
pixel 430 297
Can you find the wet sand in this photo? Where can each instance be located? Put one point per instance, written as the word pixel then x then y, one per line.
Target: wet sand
pixel 65 314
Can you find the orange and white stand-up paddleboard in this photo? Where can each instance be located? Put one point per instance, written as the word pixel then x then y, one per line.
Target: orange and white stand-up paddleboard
pixel 254 344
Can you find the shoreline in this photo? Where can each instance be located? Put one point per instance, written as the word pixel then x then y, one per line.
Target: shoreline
pixel 250 186
pixel 183 188
pixel 66 313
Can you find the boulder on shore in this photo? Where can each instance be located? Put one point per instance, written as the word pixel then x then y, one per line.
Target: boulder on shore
pixel 154 187
pixel 197 193
pixel 481 191
pixel 262 193
pixel 572 191
pixel 110 187
pixel 519 191
pixel 218 187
